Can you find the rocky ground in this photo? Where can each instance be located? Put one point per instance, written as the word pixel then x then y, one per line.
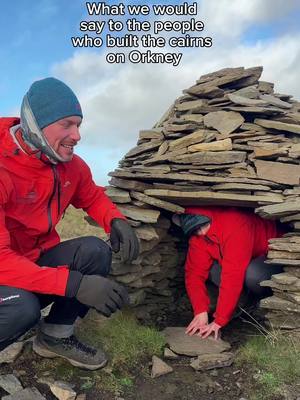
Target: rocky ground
pixel 228 383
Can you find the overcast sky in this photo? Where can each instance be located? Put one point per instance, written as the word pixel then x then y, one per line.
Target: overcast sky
pixel 119 100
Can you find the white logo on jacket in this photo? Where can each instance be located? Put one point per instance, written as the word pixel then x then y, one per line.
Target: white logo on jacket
pixel 15 296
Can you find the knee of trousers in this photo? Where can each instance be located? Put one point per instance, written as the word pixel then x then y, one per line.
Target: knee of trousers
pixel 18 315
pixel 257 272
pixel 98 255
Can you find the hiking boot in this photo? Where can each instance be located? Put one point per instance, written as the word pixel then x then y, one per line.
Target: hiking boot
pixel 71 349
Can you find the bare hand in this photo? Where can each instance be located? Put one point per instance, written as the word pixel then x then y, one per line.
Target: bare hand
pixel 209 329
pixel 197 324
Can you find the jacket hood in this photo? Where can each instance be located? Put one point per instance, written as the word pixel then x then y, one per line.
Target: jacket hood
pixel 9 149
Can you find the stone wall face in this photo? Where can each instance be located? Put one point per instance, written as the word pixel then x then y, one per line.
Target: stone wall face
pixel 230 141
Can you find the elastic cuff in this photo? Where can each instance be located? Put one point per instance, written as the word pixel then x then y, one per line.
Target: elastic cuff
pixel 221 320
pixel 73 283
pixel 199 310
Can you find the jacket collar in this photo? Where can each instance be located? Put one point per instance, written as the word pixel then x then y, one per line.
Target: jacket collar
pixel 14 146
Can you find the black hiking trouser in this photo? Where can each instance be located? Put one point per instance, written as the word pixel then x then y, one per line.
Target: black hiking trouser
pixel 256 272
pixel 20 309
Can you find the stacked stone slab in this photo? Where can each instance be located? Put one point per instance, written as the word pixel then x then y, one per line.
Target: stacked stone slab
pixel 229 140
pixel 283 308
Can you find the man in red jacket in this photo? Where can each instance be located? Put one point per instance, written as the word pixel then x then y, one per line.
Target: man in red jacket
pixel 40 176
pixel 228 246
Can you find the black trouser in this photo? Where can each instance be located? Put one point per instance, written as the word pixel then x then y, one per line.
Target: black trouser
pixel 20 309
pixel 256 272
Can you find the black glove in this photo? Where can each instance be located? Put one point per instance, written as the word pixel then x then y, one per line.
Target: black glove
pixel 102 294
pixel 122 232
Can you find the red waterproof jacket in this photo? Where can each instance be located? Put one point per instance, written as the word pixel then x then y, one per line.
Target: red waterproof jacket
pixel 33 197
pixel 235 237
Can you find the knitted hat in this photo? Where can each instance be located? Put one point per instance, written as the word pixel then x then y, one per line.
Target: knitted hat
pixel 47 101
pixel 51 100
pixel 190 222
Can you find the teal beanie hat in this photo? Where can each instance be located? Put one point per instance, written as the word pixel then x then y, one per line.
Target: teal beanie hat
pixel 51 100
pixel 191 222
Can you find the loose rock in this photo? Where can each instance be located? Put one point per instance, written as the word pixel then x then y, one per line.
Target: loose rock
pixel 10 383
pixel 159 367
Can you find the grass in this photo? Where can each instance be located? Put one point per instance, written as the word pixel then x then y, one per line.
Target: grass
pixel 274 363
pixel 128 344
pixel 126 341
pixel 73 225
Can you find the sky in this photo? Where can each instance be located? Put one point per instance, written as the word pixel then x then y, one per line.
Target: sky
pixel 119 100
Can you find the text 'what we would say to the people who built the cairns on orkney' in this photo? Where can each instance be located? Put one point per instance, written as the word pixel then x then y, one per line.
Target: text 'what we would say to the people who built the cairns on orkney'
pixel 142 33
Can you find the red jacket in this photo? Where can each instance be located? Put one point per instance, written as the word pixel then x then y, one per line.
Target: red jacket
pixel 33 197
pixel 235 237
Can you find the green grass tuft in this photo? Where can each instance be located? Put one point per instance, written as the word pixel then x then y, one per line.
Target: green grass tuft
pixel 276 362
pixel 126 341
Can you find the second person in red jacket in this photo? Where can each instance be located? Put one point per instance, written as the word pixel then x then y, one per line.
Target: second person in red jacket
pixel 228 246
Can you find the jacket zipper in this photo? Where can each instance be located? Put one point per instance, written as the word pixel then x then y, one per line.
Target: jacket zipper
pixel 50 222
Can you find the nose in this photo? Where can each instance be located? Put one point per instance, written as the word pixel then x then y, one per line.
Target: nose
pixel 75 135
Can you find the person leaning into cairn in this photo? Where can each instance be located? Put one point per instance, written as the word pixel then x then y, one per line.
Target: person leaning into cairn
pixel 40 176
pixel 228 246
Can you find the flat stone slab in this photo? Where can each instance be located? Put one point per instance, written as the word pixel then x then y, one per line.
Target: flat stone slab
pixel 211 361
pixel 62 391
pixel 139 214
pixel 187 345
pixel 118 195
pixel 281 126
pixel 25 394
pixel 170 354
pixel 11 352
pixel 10 383
pixel 223 121
pixel 159 367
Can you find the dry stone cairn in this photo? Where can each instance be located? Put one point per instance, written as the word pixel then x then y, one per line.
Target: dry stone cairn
pixel 229 140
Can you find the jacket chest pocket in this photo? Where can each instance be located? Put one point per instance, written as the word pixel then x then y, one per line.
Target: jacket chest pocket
pixel 26 192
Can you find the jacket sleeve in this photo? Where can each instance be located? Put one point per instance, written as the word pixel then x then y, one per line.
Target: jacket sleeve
pixel 197 268
pixel 18 271
pixel 92 199
pixel 237 253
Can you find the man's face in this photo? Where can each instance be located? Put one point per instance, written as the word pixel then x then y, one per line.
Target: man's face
pixel 63 135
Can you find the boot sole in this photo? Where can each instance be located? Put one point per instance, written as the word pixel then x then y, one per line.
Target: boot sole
pixel 43 352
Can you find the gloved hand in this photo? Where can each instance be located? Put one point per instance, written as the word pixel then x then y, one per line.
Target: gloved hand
pixel 122 232
pixel 102 294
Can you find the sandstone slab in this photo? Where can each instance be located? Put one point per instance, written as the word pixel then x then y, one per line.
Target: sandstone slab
pixel 224 122
pixel 118 195
pixel 288 174
pixel 211 361
pixel 62 390
pixel 165 205
pixel 159 367
pixel 10 383
pixel 281 126
pixel 139 214
pixel 11 352
pixel 25 394
pixel 218 145
pixel 187 345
